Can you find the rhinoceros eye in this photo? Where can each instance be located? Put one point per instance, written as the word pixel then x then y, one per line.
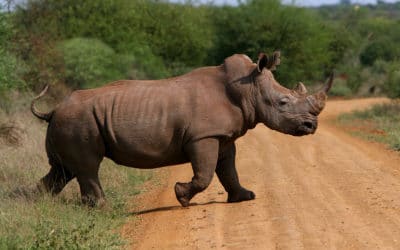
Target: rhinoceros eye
pixel 283 101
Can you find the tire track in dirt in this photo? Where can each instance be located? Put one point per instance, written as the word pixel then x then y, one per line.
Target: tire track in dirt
pixel 325 191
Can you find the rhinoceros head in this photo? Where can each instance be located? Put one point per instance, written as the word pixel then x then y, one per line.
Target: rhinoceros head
pixel 263 99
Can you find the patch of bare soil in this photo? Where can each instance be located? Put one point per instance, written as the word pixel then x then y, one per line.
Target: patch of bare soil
pixel 324 191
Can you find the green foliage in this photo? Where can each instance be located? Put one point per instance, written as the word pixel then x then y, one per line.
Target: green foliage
pixel 5 29
pixel 90 62
pixel 10 68
pixel 141 33
pixel 392 84
pixel 180 34
pixel 146 64
pixel 10 71
pixel 383 49
pixel 158 39
pixel 340 88
pixel 264 26
pixel 380 27
pixel 112 21
pixel 341 42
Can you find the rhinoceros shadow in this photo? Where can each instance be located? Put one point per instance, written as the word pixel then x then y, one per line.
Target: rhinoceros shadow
pixel 170 208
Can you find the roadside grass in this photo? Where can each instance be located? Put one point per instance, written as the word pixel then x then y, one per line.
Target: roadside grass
pixel 61 222
pixel 379 123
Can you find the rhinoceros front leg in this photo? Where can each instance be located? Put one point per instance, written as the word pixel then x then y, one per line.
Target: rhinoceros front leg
pixel 227 175
pixel 203 155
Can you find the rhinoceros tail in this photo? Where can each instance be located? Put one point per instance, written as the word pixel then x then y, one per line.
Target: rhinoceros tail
pixel 37 113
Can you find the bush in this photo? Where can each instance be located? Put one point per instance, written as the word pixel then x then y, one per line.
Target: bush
pixel 145 64
pixel 141 31
pixel 178 33
pixel 392 85
pixel 10 71
pixel 10 67
pixel 263 26
pixel 90 62
pixel 340 88
pixel 383 49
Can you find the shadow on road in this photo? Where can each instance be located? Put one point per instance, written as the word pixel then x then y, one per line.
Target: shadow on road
pixel 170 208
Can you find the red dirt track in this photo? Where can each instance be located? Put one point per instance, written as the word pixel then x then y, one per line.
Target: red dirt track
pixel 324 191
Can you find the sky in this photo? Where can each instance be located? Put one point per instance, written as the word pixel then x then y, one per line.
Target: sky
pixel 297 2
pixel 317 3
pixel 300 2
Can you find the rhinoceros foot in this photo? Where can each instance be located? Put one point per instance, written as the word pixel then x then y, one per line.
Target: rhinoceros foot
pixel 183 194
pixel 241 195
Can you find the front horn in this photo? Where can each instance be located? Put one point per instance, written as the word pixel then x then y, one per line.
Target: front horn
pixel 329 83
pixel 318 99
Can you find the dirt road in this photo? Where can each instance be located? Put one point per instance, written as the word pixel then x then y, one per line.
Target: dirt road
pixel 325 191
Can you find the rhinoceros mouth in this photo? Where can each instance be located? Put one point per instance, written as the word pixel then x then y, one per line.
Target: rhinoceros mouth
pixel 300 132
pixel 306 128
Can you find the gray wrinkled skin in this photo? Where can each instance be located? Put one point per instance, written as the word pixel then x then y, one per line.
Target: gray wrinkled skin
pixel 193 118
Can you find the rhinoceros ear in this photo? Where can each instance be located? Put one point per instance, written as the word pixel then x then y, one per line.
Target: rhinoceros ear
pixel 262 61
pixel 269 62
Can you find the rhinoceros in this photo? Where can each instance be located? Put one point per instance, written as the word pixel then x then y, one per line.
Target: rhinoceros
pixel 192 118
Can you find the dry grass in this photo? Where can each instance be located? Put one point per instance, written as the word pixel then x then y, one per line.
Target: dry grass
pixel 11 133
pixel 379 123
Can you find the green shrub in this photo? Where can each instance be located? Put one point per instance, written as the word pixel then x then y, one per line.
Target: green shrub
pixel 355 80
pixel 382 48
pixel 392 84
pixel 380 67
pixel 10 68
pixel 263 26
pixel 145 64
pixel 340 88
pixel 90 62
pixel 157 37
pixel 10 71
pixel 178 33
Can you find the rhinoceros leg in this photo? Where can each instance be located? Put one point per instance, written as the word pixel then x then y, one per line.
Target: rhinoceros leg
pixel 91 190
pixel 56 179
pixel 203 156
pixel 227 175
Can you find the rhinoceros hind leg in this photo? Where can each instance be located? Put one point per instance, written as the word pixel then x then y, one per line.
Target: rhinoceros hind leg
pixel 203 155
pixel 91 191
pixel 227 175
pixel 56 179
